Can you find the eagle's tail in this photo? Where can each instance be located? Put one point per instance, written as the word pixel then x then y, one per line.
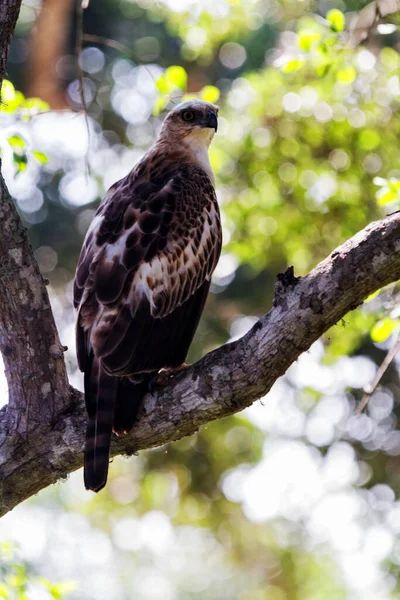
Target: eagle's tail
pixel 112 404
pixel 131 391
pixel 100 394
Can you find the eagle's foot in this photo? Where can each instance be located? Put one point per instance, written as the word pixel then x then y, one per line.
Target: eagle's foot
pixel 164 375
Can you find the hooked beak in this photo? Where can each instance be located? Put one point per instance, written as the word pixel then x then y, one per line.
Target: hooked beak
pixel 210 121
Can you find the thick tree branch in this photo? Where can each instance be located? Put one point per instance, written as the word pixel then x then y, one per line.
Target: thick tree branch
pixel 222 383
pixel 33 355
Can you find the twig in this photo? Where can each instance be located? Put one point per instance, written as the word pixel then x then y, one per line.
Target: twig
pixel 82 4
pixel 369 390
pixel 98 39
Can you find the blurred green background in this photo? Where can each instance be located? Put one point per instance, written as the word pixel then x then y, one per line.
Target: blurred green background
pixel 294 498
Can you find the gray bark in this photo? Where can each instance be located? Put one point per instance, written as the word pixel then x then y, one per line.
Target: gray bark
pixel 9 11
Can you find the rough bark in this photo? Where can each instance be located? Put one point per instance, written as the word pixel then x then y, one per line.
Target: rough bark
pixel 222 383
pixel 9 11
pixel 33 355
pixel 27 328
pixel 29 342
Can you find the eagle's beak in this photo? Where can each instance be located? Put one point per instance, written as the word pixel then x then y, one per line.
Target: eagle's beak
pixel 210 121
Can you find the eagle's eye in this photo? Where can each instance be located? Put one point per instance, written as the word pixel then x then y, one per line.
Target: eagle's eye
pixel 188 115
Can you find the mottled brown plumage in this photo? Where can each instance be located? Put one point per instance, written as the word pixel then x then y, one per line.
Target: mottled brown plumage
pixel 143 276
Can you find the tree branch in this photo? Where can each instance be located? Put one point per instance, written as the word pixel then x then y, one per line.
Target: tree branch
pixel 224 382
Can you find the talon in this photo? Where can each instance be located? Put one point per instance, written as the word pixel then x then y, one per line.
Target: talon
pixel 164 375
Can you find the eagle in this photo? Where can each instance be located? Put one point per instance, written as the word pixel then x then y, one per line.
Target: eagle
pixel 143 276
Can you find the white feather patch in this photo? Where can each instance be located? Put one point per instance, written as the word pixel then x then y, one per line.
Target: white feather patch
pixel 153 279
pixel 198 142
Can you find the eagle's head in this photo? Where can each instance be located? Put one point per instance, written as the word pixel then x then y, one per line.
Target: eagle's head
pixel 193 123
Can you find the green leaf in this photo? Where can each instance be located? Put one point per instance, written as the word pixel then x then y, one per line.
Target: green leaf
pixel 336 20
pixel 293 65
pixel 307 39
pixel 383 329
pixel 35 104
pixel 163 85
pixel 58 590
pixel 210 93
pixel 20 161
pixel 174 77
pixel 389 193
pixel 322 64
pixel 16 142
pixel 177 76
pixel 7 91
pixel 11 105
pixel 346 75
pixel 386 196
pixel 40 156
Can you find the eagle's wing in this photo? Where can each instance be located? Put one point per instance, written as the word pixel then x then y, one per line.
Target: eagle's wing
pixel 145 255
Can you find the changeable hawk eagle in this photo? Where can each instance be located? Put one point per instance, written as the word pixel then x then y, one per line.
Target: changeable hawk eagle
pixel 143 276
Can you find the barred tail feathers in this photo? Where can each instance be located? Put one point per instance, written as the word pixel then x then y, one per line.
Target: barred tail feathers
pixel 131 391
pixel 100 396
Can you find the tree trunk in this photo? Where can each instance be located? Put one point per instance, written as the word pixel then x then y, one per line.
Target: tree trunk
pixel 9 11
pixel 47 45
